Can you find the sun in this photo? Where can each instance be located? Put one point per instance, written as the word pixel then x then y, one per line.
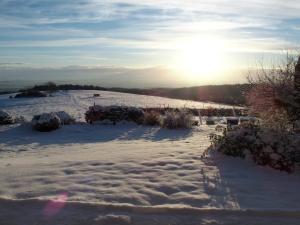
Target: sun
pixel 201 58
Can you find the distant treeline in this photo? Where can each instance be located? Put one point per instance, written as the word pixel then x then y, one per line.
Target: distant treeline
pixel 5 92
pixel 226 94
pixel 51 86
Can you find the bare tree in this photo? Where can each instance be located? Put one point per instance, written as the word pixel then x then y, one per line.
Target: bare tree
pixel 297 89
pixel 275 92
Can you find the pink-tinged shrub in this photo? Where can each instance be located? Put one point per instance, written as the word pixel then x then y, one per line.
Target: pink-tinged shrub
pixel 264 101
pixel 275 95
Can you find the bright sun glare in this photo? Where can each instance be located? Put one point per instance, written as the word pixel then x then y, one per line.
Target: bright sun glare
pixel 198 59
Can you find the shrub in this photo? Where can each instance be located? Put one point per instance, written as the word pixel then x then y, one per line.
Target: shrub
pixel 265 146
pixel 135 115
pixel 19 119
pixel 185 119
pixel 177 119
pixel 114 114
pixel 51 86
pixel 100 113
pixel 151 118
pixel 170 119
pixel 277 119
pixel 46 122
pixel 6 118
pixel 30 94
pixel 234 142
pixel 65 118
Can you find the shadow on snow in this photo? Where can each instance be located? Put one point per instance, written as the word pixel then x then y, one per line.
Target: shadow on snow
pixel 85 133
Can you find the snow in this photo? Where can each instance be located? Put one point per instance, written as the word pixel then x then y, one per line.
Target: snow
pixel 76 103
pixel 65 118
pixel 130 174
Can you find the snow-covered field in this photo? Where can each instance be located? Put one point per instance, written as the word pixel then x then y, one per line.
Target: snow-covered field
pixel 129 174
pixel 77 102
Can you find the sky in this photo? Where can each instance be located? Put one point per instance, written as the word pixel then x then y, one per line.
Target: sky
pixel 174 43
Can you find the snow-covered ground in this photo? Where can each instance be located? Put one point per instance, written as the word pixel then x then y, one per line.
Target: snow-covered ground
pixel 129 174
pixel 77 102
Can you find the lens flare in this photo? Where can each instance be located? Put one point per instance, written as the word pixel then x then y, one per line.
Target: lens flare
pixel 55 205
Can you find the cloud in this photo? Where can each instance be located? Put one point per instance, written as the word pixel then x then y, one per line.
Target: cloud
pixel 112 28
pixel 105 76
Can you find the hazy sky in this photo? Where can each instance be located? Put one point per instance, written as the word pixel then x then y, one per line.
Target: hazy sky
pixel 199 39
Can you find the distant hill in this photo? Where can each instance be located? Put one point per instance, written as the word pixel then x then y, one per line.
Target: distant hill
pixel 227 94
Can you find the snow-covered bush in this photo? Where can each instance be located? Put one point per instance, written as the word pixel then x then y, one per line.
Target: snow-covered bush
pixel 185 119
pixel 278 150
pixel 31 94
pixel 6 118
pixel 177 119
pixel 65 118
pixel 232 143
pixel 114 114
pixel 174 119
pixel 46 122
pixel 151 118
pixel 265 146
pixel 169 120
pixel 19 119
